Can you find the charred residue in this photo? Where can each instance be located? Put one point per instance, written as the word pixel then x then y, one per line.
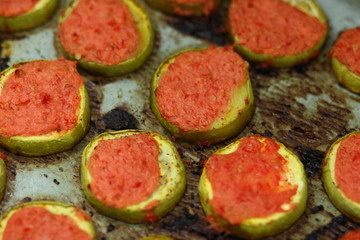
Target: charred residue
pixel 301 69
pixel 188 217
pixel 264 72
pixel 4 63
pixel 181 222
pixel 5 48
pixel 119 119
pixel 191 223
pixel 300 106
pixel 316 209
pixel 110 228
pixel 4 59
pixel 337 227
pixel 312 160
pixel 96 97
pixel 11 168
pixel 332 116
pixel 212 28
pixel 15 161
pixel 27 199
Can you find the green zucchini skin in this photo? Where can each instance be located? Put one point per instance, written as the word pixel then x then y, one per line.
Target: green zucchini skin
pixel 251 228
pixel 29 20
pixel 146 32
pixel 167 195
pixel 54 142
pixel 345 205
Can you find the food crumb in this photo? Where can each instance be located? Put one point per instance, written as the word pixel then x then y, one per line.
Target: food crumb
pixel 56 181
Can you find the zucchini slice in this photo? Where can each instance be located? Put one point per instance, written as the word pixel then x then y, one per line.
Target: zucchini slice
pixel 98 66
pixel 105 189
pixel 41 12
pixel 253 188
pixel 56 139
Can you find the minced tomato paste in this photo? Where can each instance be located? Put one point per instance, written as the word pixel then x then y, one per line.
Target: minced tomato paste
pixel 100 31
pixel 274 27
pixel 353 235
pixel 207 6
pixel 250 182
pixel 124 171
pixel 33 223
pixel 12 8
pixel 347 50
pixel 347 167
pixel 40 97
pixel 196 89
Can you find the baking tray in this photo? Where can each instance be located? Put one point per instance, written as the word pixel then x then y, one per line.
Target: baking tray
pixel 302 107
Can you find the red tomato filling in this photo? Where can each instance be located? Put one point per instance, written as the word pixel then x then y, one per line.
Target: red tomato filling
pixel 207 6
pixel 347 167
pixel 37 223
pixel 250 182
pixel 353 235
pixel 274 27
pixel 196 89
pixel 124 171
pixel 40 97
pixel 347 49
pixel 13 8
pixel 100 31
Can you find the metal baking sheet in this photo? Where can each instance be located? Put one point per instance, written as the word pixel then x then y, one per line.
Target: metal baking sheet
pixel 302 107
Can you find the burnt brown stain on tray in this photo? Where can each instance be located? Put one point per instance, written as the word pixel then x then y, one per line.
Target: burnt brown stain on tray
pixel 283 99
pixel 283 108
pixel 188 217
pixel 279 115
pixel 96 97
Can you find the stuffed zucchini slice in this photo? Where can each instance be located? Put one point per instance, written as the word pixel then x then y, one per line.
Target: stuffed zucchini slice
pixel 46 220
pixel 341 175
pixel 253 188
pixel 2 175
pixel 107 37
pixel 276 41
pixel 344 59
pixel 132 175
pixel 203 96
pixel 27 15
pixel 48 112
pixel 185 7
pixel 157 237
